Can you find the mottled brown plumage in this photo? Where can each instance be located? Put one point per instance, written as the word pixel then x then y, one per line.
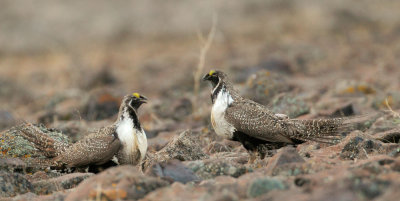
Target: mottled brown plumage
pixel 123 140
pixel 255 126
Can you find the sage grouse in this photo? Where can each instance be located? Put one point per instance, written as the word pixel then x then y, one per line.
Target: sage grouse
pixel 124 141
pixel 256 127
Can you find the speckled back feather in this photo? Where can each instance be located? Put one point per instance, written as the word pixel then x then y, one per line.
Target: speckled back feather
pixel 96 148
pixel 258 121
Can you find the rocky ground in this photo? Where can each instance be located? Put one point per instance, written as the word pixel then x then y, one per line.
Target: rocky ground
pixel 306 59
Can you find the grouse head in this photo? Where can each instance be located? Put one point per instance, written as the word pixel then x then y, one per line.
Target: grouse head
pixel 214 76
pixel 135 100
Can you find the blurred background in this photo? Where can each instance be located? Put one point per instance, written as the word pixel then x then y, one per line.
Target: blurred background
pixel 72 61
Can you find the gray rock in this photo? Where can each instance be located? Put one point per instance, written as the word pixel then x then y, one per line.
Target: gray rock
pixel 185 147
pixel 24 165
pixel 282 160
pixel 264 185
pixel 369 188
pixel 384 123
pixel 207 169
pixel 179 192
pixel 12 165
pixel 359 145
pixel 390 136
pixel 396 166
pixel 123 182
pixel 57 196
pixel 392 193
pixel 12 184
pixel 26 197
pixel 173 170
pixel 47 186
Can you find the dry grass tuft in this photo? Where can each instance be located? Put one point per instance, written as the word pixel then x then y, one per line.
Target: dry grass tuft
pixel 394 113
pixel 205 46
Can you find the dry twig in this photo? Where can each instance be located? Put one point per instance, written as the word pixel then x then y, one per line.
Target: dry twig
pixel 395 114
pixel 205 46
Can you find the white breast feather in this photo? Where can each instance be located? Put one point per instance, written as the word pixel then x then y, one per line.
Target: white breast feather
pixel 128 136
pixel 142 141
pixel 222 127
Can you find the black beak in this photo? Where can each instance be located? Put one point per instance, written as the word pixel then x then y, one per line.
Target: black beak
pixel 206 77
pixel 143 99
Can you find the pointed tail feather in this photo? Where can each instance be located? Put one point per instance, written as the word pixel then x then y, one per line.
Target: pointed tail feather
pixel 328 130
pixel 41 141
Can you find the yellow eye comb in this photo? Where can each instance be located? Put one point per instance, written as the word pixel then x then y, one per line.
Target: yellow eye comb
pixel 137 95
pixel 211 72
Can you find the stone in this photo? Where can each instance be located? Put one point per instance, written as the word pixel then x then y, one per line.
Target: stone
pixel 285 156
pixel 264 185
pixel 390 136
pixel 358 145
pixel 12 184
pixel 183 147
pixel 370 188
pixel 210 168
pixel 390 193
pixel 12 165
pixel 384 123
pixel 396 166
pixel 68 181
pixel 179 192
pixel 172 170
pixel 209 191
pixel 39 175
pixel 26 197
pixel 122 182
pixel 57 196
